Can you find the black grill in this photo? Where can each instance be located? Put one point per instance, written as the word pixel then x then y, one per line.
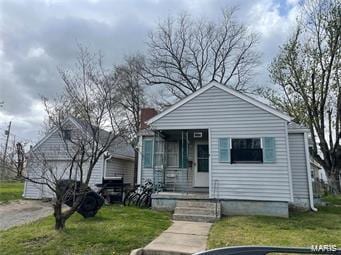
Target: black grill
pixel 112 189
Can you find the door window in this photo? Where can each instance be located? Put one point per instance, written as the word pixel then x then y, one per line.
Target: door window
pixel 202 157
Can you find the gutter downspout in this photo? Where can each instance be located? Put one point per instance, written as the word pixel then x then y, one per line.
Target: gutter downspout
pixel 139 164
pixel 105 166
pixel 310 187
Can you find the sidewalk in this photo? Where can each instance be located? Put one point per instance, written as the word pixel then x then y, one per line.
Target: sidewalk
pixel 183 237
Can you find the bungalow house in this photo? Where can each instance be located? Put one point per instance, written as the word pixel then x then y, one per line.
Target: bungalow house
pixel 118 161
pixel 219 148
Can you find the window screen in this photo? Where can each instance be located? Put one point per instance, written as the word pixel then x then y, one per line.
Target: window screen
pixel 246 150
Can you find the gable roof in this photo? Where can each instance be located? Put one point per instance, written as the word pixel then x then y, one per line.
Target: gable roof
pixel 119 148
pixel 233 92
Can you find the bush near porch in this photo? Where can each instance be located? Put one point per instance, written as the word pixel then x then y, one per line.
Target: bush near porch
pixel 114 230
pixel 11 190
pixel 302 229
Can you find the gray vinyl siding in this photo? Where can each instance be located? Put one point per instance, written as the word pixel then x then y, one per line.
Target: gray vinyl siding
pixel 298 166
pixel 120 168
pixel 53 151
pixel 97 173
pixel 32 190
pixel 226 115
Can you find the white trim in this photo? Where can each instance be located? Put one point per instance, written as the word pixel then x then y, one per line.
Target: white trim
pixel 47 136
pixel 310 186
pixel 152 140
pixel 119 156
pixel 226 89
pixel 139 164
pixel 210 164
pixel 104 168
pixel 298 130
pixel 53 130
pixel 105 165
pixel 289 163
pixel 24 193
pixel 196 143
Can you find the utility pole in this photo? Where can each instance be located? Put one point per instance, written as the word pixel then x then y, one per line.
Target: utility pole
pixel 4 167
pixel 7 133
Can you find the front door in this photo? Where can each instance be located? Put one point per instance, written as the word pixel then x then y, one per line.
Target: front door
pixel 201 165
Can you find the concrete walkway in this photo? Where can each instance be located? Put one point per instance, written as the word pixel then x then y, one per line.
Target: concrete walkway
pixel 183 237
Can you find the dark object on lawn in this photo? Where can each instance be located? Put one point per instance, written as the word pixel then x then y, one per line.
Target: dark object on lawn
pixel 262 250
pixel 91 203
pixel 111 189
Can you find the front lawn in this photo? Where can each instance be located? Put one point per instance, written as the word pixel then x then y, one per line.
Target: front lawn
pixel 114 230
pixel 302 229
pixel 11 190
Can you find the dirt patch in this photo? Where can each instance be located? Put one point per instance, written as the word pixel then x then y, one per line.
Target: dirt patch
pixel 22 211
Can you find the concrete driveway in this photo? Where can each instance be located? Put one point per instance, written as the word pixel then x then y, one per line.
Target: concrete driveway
pixel 22 211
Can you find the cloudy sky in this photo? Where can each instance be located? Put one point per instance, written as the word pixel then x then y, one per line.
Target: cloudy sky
pixel 37 36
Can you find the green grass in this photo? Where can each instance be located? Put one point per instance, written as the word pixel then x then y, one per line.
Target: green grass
pixel 11 190
pixel 114 230
pixel 302 229
pixel 333 199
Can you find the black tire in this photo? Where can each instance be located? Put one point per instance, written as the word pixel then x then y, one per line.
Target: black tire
pixel 145 200
pixel 127 197
pixel 134 199
pixel 89 204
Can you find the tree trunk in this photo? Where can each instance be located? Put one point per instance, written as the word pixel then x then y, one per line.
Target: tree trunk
pixel 58 215
pixel 335 182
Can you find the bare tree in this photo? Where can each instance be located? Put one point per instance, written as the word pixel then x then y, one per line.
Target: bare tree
pixel 91 98
pixel 128 77
pixel 186 53
pixel 307 77
pixel 131 88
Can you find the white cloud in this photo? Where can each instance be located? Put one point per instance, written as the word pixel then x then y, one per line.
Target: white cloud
pixel 35 52
pixel 39 35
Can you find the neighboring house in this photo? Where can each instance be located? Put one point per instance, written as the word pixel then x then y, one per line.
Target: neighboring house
pixel 316 175
pixel 117 162
pixel 219 144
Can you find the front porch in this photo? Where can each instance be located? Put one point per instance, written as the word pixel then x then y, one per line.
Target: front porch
pixel 181 163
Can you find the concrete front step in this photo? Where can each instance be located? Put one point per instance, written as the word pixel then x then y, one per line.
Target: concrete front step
pixel 198 210
pixel 194 217
pixel 196 203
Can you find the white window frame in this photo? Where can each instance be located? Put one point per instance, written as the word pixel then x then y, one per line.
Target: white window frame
pixel 157 154
pixel 176 153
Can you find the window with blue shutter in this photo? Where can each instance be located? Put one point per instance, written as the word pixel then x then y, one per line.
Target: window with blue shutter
pixel 224 150
pixel 183 153
pixel 269 149
pixel 148 153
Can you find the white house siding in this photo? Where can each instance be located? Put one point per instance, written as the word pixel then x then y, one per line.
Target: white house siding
pixel 299 169
pixel 97 173
pixel 32 190
pixel 120 168
pixel 53 149
pixel 228 116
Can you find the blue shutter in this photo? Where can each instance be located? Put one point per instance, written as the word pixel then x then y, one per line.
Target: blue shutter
pixel 183 153
pixel 147 153
pixel 269 149
pixel 224 150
